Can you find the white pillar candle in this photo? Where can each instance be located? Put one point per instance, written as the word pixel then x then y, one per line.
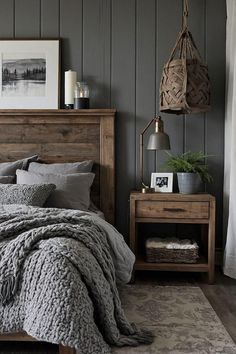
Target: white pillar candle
pixel 70 82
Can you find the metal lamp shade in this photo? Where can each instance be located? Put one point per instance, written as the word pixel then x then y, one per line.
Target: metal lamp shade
pixel 158 141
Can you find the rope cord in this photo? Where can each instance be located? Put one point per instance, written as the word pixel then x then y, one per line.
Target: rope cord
pixel 185 14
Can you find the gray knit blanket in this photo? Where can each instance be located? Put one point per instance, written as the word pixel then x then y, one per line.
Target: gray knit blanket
pixel 58 274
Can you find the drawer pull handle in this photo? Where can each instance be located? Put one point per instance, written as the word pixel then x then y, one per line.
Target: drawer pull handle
pixel 174 210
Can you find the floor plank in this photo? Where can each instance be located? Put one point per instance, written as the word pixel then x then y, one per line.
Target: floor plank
pixel 222 297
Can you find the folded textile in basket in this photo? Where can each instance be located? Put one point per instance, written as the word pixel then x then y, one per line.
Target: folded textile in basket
pixel 170 243
pixel 171 250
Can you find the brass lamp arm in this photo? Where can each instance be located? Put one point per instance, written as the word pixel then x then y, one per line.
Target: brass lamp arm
pixel 141 150
pixel 147 126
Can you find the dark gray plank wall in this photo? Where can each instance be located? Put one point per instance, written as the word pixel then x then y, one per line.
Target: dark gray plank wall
pixel 96 50
pixel 27 18
pixel 168 26
pixel 146 104
pixel 196 122
pixel 7 17
pixel 50 18
pixel 119 47
pixel 71 31
pixel 123 97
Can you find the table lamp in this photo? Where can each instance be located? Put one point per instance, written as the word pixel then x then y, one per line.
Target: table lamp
pixel 157 141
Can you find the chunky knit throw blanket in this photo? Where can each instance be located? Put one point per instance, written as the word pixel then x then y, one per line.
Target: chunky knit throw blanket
pixel 58 272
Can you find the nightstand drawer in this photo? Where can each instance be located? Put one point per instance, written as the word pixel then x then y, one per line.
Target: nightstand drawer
pixel 183 210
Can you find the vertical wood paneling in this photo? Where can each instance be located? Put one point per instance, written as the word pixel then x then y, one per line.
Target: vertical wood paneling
pixel 96 50
pixel 169 17
pixel 120 47
pixel 50 18
pixel 123 98
pixel 215 53
pixel 27 18
pixel 6 18
pixel 195 123
pixel 71 31
pixel 145 79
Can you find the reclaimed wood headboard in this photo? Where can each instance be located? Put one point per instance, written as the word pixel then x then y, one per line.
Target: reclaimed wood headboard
pixel 65 136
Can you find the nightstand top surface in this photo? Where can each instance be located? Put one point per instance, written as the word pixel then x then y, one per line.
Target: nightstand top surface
pixel 171 196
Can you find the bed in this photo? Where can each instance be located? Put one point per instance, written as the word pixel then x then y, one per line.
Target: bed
pixel 64 136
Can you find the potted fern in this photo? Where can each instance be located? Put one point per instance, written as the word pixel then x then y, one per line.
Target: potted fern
pixel 190 169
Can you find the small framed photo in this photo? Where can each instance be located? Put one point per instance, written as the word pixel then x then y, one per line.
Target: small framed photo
pixel 162 182
pixel 29 73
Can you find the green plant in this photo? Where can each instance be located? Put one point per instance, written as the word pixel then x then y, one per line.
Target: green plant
pixel 191 162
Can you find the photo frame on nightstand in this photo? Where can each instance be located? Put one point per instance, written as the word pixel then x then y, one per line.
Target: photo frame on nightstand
pixel 162 182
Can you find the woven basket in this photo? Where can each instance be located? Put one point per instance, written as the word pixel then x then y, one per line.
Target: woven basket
pixel 162 254
pixel 185 84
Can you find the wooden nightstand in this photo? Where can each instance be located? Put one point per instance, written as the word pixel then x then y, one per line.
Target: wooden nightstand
pixel 173 208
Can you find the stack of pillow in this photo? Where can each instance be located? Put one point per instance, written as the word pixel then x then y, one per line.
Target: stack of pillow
pixel 59 185
pixel 8 169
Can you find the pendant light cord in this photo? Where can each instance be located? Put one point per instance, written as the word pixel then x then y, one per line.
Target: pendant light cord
pixel 185 13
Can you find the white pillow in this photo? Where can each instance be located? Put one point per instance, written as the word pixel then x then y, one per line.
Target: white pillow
pixel 72 191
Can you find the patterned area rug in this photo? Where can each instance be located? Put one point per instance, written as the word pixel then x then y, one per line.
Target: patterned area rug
pixel 181 318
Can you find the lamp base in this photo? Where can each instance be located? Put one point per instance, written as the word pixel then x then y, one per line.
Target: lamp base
pixel 147 190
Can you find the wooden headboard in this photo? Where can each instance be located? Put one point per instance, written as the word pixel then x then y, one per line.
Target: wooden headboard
pixel 65 136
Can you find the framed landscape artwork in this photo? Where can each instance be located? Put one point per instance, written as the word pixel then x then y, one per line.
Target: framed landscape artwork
pixel 29 75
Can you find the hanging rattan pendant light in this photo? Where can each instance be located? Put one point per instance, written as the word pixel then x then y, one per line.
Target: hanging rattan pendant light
pixel 185 84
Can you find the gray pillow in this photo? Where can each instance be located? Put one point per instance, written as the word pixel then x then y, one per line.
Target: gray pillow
pixel 9 168
pixel 35 195
pixel 7 179
pixel 61 168
pixel 72 191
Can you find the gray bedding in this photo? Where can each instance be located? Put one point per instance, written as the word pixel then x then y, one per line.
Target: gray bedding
pixel 58 273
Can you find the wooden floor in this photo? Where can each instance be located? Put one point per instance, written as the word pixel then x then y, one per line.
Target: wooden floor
pixel 221 295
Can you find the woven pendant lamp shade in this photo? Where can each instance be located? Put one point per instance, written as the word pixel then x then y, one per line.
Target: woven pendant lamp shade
pixel 185 84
